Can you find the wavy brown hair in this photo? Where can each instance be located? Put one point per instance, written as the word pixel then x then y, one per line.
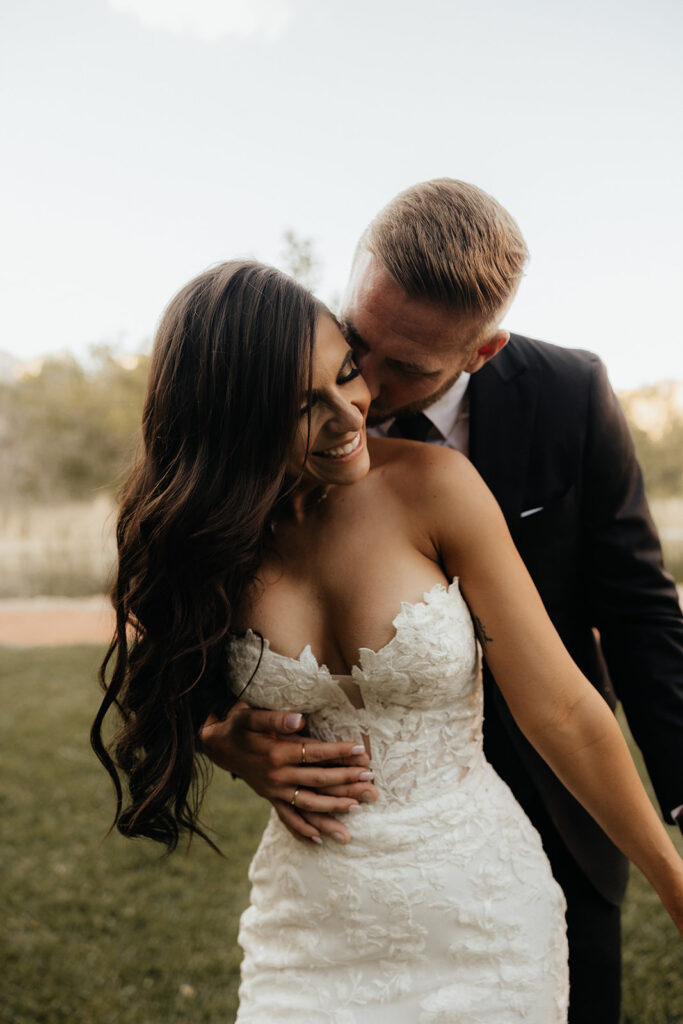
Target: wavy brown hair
pixel 229 373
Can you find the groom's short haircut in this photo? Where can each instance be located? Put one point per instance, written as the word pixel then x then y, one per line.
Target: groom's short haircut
pixel 451 243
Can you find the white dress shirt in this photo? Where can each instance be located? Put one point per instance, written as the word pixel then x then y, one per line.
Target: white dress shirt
pixel 449 416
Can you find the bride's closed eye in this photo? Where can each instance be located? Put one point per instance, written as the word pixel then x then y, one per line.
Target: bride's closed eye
pixel 346 375
pixel 348 372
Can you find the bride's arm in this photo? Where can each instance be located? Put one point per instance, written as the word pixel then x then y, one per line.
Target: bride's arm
pixel 557 709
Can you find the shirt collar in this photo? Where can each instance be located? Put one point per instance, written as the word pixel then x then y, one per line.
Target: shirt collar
pixel 443 414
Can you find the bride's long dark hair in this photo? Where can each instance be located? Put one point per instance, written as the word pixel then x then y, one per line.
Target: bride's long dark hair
pixel 229 372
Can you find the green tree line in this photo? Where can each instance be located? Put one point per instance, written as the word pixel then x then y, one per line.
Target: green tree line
pixel 72 429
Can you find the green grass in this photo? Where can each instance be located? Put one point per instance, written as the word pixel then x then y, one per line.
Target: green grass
pixel 105 932
pixel 113 932
pixel 653 949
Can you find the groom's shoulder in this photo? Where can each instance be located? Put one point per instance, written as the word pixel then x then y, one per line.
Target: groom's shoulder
pixel 548 360
pixel 567 385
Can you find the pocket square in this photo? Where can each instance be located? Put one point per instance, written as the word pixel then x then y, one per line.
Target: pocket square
pixel 530 512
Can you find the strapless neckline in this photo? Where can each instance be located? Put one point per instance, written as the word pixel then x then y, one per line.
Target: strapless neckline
pixel 407 610
pixel 443 907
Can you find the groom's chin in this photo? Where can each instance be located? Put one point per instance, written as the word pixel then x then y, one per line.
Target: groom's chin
pixel 376 419
pixel 378 415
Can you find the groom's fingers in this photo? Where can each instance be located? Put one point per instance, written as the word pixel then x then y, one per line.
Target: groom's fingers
pixel 295 823
pixel 364 792
pixel 290 748
pixel 305 751
pixel 319 777
pixel 281 753
pixel 258 720
pixel 343 783
pixel 246 744
pixel 328 826
pixel 309 826
pixel 309 800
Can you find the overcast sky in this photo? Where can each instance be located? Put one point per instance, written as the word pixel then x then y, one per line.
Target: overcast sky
pixel 143 140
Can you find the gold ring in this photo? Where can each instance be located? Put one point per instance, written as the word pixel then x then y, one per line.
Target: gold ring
pixel 303 753
pixel 296 793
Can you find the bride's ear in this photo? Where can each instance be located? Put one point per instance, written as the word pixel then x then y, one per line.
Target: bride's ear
pixel 487 351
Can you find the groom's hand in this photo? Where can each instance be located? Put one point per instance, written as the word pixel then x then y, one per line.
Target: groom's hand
pixel 267 750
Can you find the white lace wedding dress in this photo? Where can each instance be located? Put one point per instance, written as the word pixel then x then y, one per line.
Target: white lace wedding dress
pixel 442 908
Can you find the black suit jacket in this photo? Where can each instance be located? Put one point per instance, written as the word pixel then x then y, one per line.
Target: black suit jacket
pixel 547 432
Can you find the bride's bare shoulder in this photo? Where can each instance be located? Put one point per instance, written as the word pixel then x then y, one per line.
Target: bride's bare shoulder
pixel 424 462
pixel 426 475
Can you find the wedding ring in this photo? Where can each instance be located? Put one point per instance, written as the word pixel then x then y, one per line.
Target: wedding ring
pixel 296 793
pixel 303 753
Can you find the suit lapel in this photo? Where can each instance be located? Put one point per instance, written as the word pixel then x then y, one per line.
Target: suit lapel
pixel 503 398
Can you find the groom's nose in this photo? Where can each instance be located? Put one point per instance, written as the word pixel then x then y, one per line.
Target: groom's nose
pixel 368 367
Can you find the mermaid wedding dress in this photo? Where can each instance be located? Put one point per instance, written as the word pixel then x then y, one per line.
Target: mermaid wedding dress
pixel 443 907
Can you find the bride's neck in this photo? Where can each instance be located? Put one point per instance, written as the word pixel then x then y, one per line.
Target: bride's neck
pixel 303 503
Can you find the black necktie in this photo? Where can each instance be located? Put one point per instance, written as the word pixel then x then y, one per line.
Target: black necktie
pixel 414 427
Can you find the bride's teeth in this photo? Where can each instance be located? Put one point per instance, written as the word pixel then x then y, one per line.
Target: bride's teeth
pixel 346 449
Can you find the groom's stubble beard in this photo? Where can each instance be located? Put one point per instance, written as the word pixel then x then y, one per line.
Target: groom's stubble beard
pixel 378 414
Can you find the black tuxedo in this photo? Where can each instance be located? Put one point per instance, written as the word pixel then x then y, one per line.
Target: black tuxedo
pixel 549 438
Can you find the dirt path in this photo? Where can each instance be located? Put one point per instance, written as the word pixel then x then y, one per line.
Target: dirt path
pixel 53 621
pixel 50 621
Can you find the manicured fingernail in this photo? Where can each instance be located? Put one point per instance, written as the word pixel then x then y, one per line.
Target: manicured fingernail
pixel 338 836
pixel 316 839
pixel 366 798
pixel 358 750
pixel 293 721
pixel 355 807
pixel 366 776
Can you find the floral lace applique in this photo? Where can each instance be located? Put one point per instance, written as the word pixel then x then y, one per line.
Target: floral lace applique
pixel 443 907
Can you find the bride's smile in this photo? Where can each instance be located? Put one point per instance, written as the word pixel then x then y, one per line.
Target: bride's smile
pixel 331 444
pixel 343 452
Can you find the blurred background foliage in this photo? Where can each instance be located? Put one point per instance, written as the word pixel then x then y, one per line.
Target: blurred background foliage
pixel 69 431
pixel 655 415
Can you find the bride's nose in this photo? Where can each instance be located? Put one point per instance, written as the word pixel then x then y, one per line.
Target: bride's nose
pixel 346 417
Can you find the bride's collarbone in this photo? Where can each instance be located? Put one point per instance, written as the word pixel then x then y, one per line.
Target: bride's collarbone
pixel 338 586
pixel 339 613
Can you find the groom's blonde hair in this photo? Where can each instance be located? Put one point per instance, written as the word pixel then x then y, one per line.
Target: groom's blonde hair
pixel 451 243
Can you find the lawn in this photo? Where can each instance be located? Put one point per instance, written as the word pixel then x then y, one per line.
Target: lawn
pixel 112 932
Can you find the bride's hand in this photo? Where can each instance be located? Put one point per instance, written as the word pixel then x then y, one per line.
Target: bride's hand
pixel 266 750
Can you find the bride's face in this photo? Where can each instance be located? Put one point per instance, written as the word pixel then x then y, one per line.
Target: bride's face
pixel 337 450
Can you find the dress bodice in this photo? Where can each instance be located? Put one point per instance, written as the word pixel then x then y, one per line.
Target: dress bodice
pixel 419 696
pixel 442 908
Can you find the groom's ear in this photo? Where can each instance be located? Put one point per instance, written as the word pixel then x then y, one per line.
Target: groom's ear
pixel 487 351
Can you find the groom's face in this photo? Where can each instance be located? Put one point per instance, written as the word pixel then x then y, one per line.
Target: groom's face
pixel 409 350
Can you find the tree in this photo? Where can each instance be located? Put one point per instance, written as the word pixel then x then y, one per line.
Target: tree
pixel 299 259
pixel 69 430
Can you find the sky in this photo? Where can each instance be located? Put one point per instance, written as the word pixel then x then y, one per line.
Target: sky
pixel 144 140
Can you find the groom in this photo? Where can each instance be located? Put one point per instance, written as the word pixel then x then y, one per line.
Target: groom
pixel 432 278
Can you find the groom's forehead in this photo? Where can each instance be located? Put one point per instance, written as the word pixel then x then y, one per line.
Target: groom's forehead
pixel 381 314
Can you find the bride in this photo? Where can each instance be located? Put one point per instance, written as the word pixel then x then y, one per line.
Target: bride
pixel 269 551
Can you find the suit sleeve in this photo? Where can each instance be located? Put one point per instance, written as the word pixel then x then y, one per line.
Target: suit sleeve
pixel 633 600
